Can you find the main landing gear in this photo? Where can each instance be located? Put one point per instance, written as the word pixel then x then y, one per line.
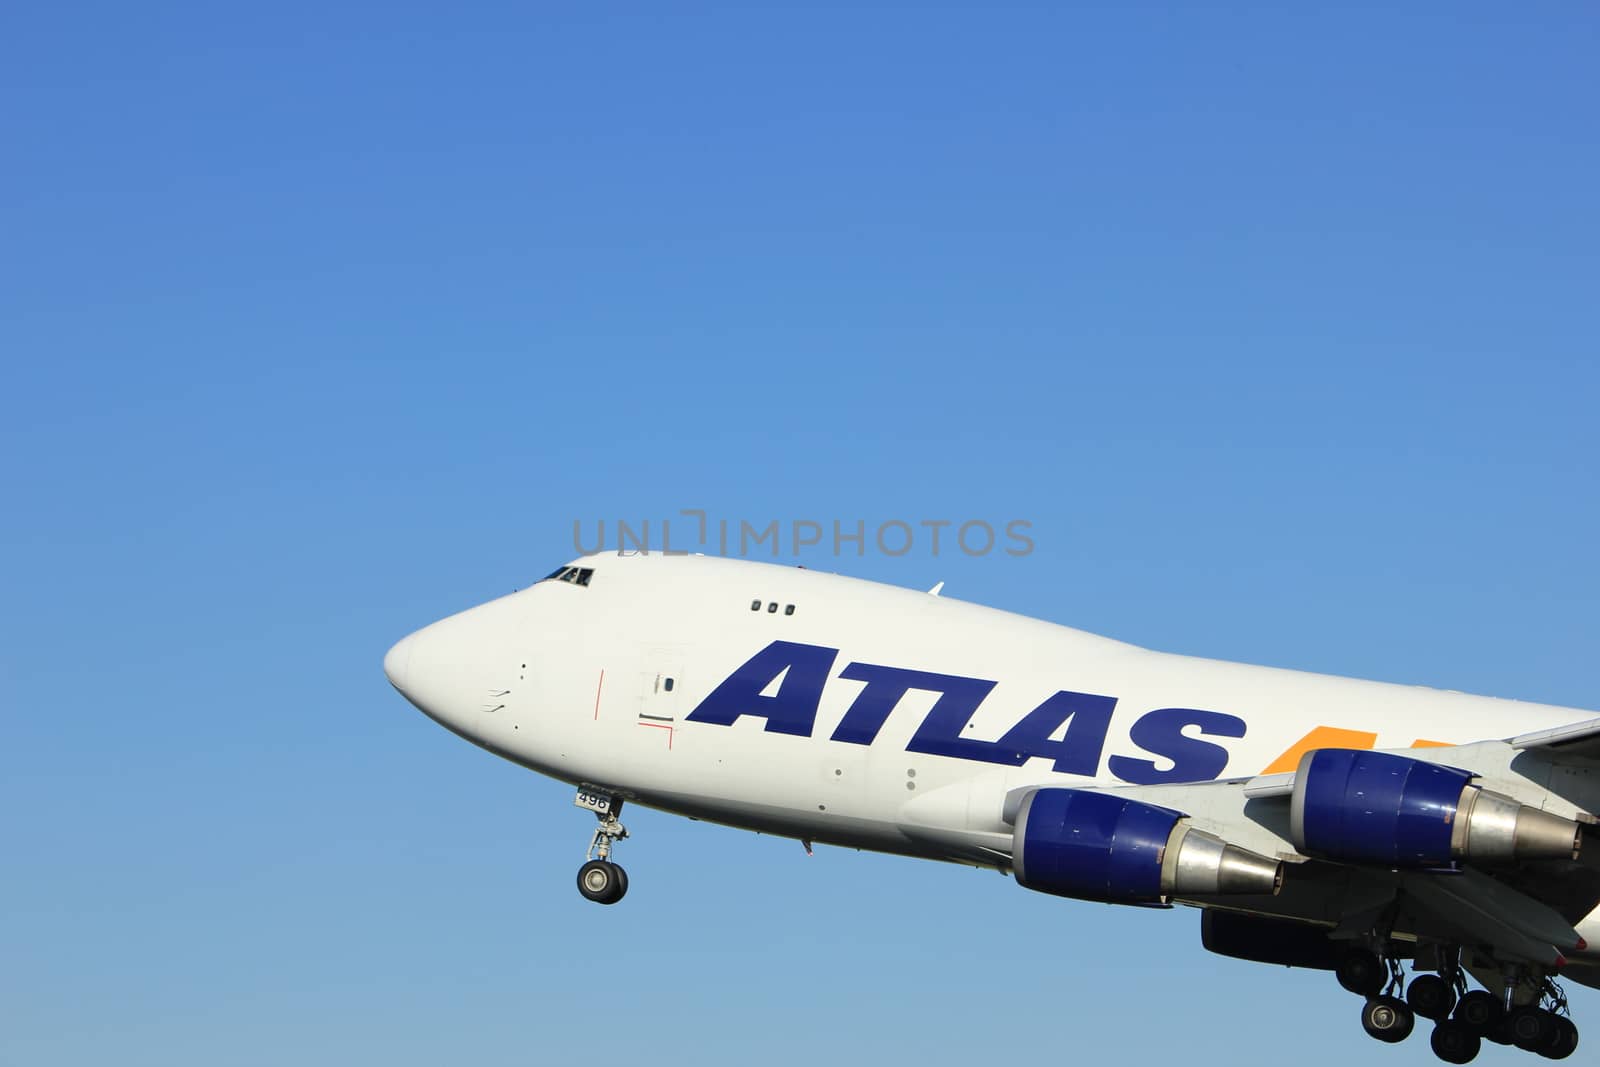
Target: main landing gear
pixel 1532 1016
pixel 600 880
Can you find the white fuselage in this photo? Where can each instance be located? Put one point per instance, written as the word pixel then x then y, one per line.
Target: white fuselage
pixel 879 712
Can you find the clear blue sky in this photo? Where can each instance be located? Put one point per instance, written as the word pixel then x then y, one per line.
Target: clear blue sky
pixel 320 322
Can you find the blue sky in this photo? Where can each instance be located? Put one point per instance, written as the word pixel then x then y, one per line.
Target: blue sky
pixel 317 324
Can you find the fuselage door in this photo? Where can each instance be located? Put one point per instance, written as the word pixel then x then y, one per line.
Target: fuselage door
pixel 660 691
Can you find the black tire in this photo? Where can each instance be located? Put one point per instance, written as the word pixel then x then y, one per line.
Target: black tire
pixel 1532 1029
pixel 1500 1032
pixel 1361 972
pixel 1565 1042
pixel 1387 1019
pixel 1454 1043
pixel 622 883
pixel 598 881
pixel 1481 1012
pixel 1430 997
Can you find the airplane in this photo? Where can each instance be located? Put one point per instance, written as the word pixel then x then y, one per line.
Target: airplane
pixel 1357 827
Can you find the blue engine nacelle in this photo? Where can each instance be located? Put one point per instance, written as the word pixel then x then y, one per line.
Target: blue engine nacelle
pixel 1375 807
pixel 1100 846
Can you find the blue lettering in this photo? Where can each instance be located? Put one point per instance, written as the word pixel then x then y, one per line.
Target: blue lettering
pixel 958 698
pixel 1078 752
pixel 792 709
pixel 1193 760
pixel 801 671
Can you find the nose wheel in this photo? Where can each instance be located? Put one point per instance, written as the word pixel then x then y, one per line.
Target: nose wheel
pixel 602 881
pixel 599 879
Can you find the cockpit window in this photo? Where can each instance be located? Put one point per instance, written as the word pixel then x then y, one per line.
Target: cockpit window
pixel 572 575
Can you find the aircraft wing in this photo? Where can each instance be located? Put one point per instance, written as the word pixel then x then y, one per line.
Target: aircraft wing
pixel 1509 885
pixel 1578 741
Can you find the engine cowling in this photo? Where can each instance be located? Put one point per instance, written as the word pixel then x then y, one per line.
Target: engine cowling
pixel 1099 846
pixel 1375 807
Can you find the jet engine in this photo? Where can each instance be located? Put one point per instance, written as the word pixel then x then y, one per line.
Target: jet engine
pixel 1099 846
pixel 1374 807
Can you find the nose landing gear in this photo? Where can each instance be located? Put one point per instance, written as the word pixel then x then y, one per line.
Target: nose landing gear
pixel 599 879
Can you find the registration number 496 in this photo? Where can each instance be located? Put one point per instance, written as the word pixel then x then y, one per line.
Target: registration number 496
pixel 596 802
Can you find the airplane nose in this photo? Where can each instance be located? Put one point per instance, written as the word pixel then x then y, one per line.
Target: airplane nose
pixel 469 673
pixel 397 662
pixel 447 669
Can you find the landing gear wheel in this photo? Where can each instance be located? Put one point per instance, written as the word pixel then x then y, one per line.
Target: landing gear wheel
pixel 1387 1019
pixel 1500 1032
pixel 602 881
pixel 1479 1011
pixel 1454 1043
pixel 1430 997
pixel 1533 1029
pixel 622 883
pixel 1566 1044
pixel 1362 972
